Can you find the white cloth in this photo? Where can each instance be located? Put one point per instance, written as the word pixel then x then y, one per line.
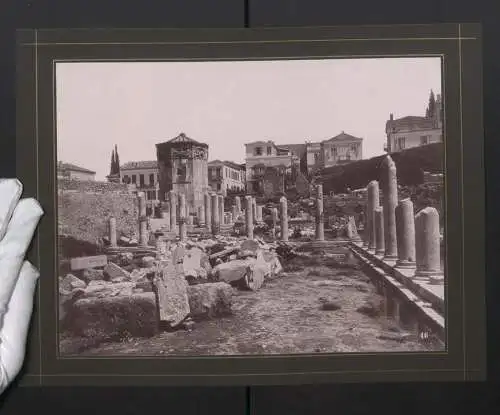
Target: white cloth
pixel 18 221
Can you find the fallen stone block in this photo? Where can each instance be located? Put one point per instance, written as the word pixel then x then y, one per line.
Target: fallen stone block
pixel 116 273
pixel 114 318
pixel 171 287
pixel 209 300
pixel 101 289
pixel 70 282
pixel 91 274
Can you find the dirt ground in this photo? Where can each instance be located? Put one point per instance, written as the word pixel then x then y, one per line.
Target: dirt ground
pixel 287 316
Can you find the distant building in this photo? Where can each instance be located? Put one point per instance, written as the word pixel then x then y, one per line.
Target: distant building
pixel 183 168
pixel 226 175
pixel 73 172
pixel 341 149
pixel 143 176
pixel 266 159
pixel 414 131
pixel 282 159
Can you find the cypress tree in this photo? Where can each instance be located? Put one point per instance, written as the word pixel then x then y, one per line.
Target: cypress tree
pixel 432 105
pixel 117 161
pixel 112 167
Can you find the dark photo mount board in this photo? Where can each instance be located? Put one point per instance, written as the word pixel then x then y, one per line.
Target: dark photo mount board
pixel 459 45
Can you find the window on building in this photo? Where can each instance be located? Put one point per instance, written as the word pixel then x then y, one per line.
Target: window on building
pixel 218 186
pixel 158 178
pixel 151 179
pixel 316 158
pixel 258 151
pixel 354 147
pixel 424 140
pixel 134 179
pixel 269 151
pixel 141 179
pixel 126 179
pixel 401 141
pixel 181 172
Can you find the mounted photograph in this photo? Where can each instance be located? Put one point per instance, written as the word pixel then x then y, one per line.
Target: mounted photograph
pixel 256 207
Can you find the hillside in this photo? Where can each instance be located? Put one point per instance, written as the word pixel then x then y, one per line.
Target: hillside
pixel 410 165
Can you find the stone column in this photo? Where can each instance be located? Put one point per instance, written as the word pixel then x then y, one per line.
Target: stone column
pixel 230 219
pixel 428 246
pixel 173 210
pixel 112 232
pixel 221 209
pixel 373 203
pixel 379 231
pixel 141 198
pixel 254 209
pixel 215 214
pixel 274 215
pixel 249 216
pixel 161 249
pixel 259 213
pixel 208 211
pixel 237 203
pixel 320 220
pixel 166 216
pixel 284 218
pixel 390 192
pixel 143 231
pixel 182 217
pixel 235 212
pixel 405 234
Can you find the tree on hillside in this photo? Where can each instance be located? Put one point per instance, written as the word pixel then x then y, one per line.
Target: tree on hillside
pixel 117 160
pixel 431 107
pixel 112 167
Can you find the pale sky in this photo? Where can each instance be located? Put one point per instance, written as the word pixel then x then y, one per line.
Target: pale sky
pixel 227 104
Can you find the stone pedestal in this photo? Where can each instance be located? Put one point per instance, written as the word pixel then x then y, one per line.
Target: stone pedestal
pixel 112 232
pixel 208 211
pixel 405 234
pixel 373 201
pixel 390 193
pixel 249 216
pixel 378 221
pixel 320 221
pixel 284 218
pixel 428 246
pixel 215 214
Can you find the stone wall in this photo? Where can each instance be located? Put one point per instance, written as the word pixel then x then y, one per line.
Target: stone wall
pixel 85 207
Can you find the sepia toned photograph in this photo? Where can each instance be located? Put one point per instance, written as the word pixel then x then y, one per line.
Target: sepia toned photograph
pixel 250 207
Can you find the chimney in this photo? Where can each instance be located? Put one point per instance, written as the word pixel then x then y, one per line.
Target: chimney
pixel 391 117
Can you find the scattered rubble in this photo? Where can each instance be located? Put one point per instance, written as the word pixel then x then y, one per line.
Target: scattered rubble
pixel 137 292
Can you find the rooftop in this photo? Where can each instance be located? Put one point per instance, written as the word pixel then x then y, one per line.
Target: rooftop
pixel 183 138
pixel 342 137
pixel 412 122
pixel 73 167
pixel 145 164
pixel 227 163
